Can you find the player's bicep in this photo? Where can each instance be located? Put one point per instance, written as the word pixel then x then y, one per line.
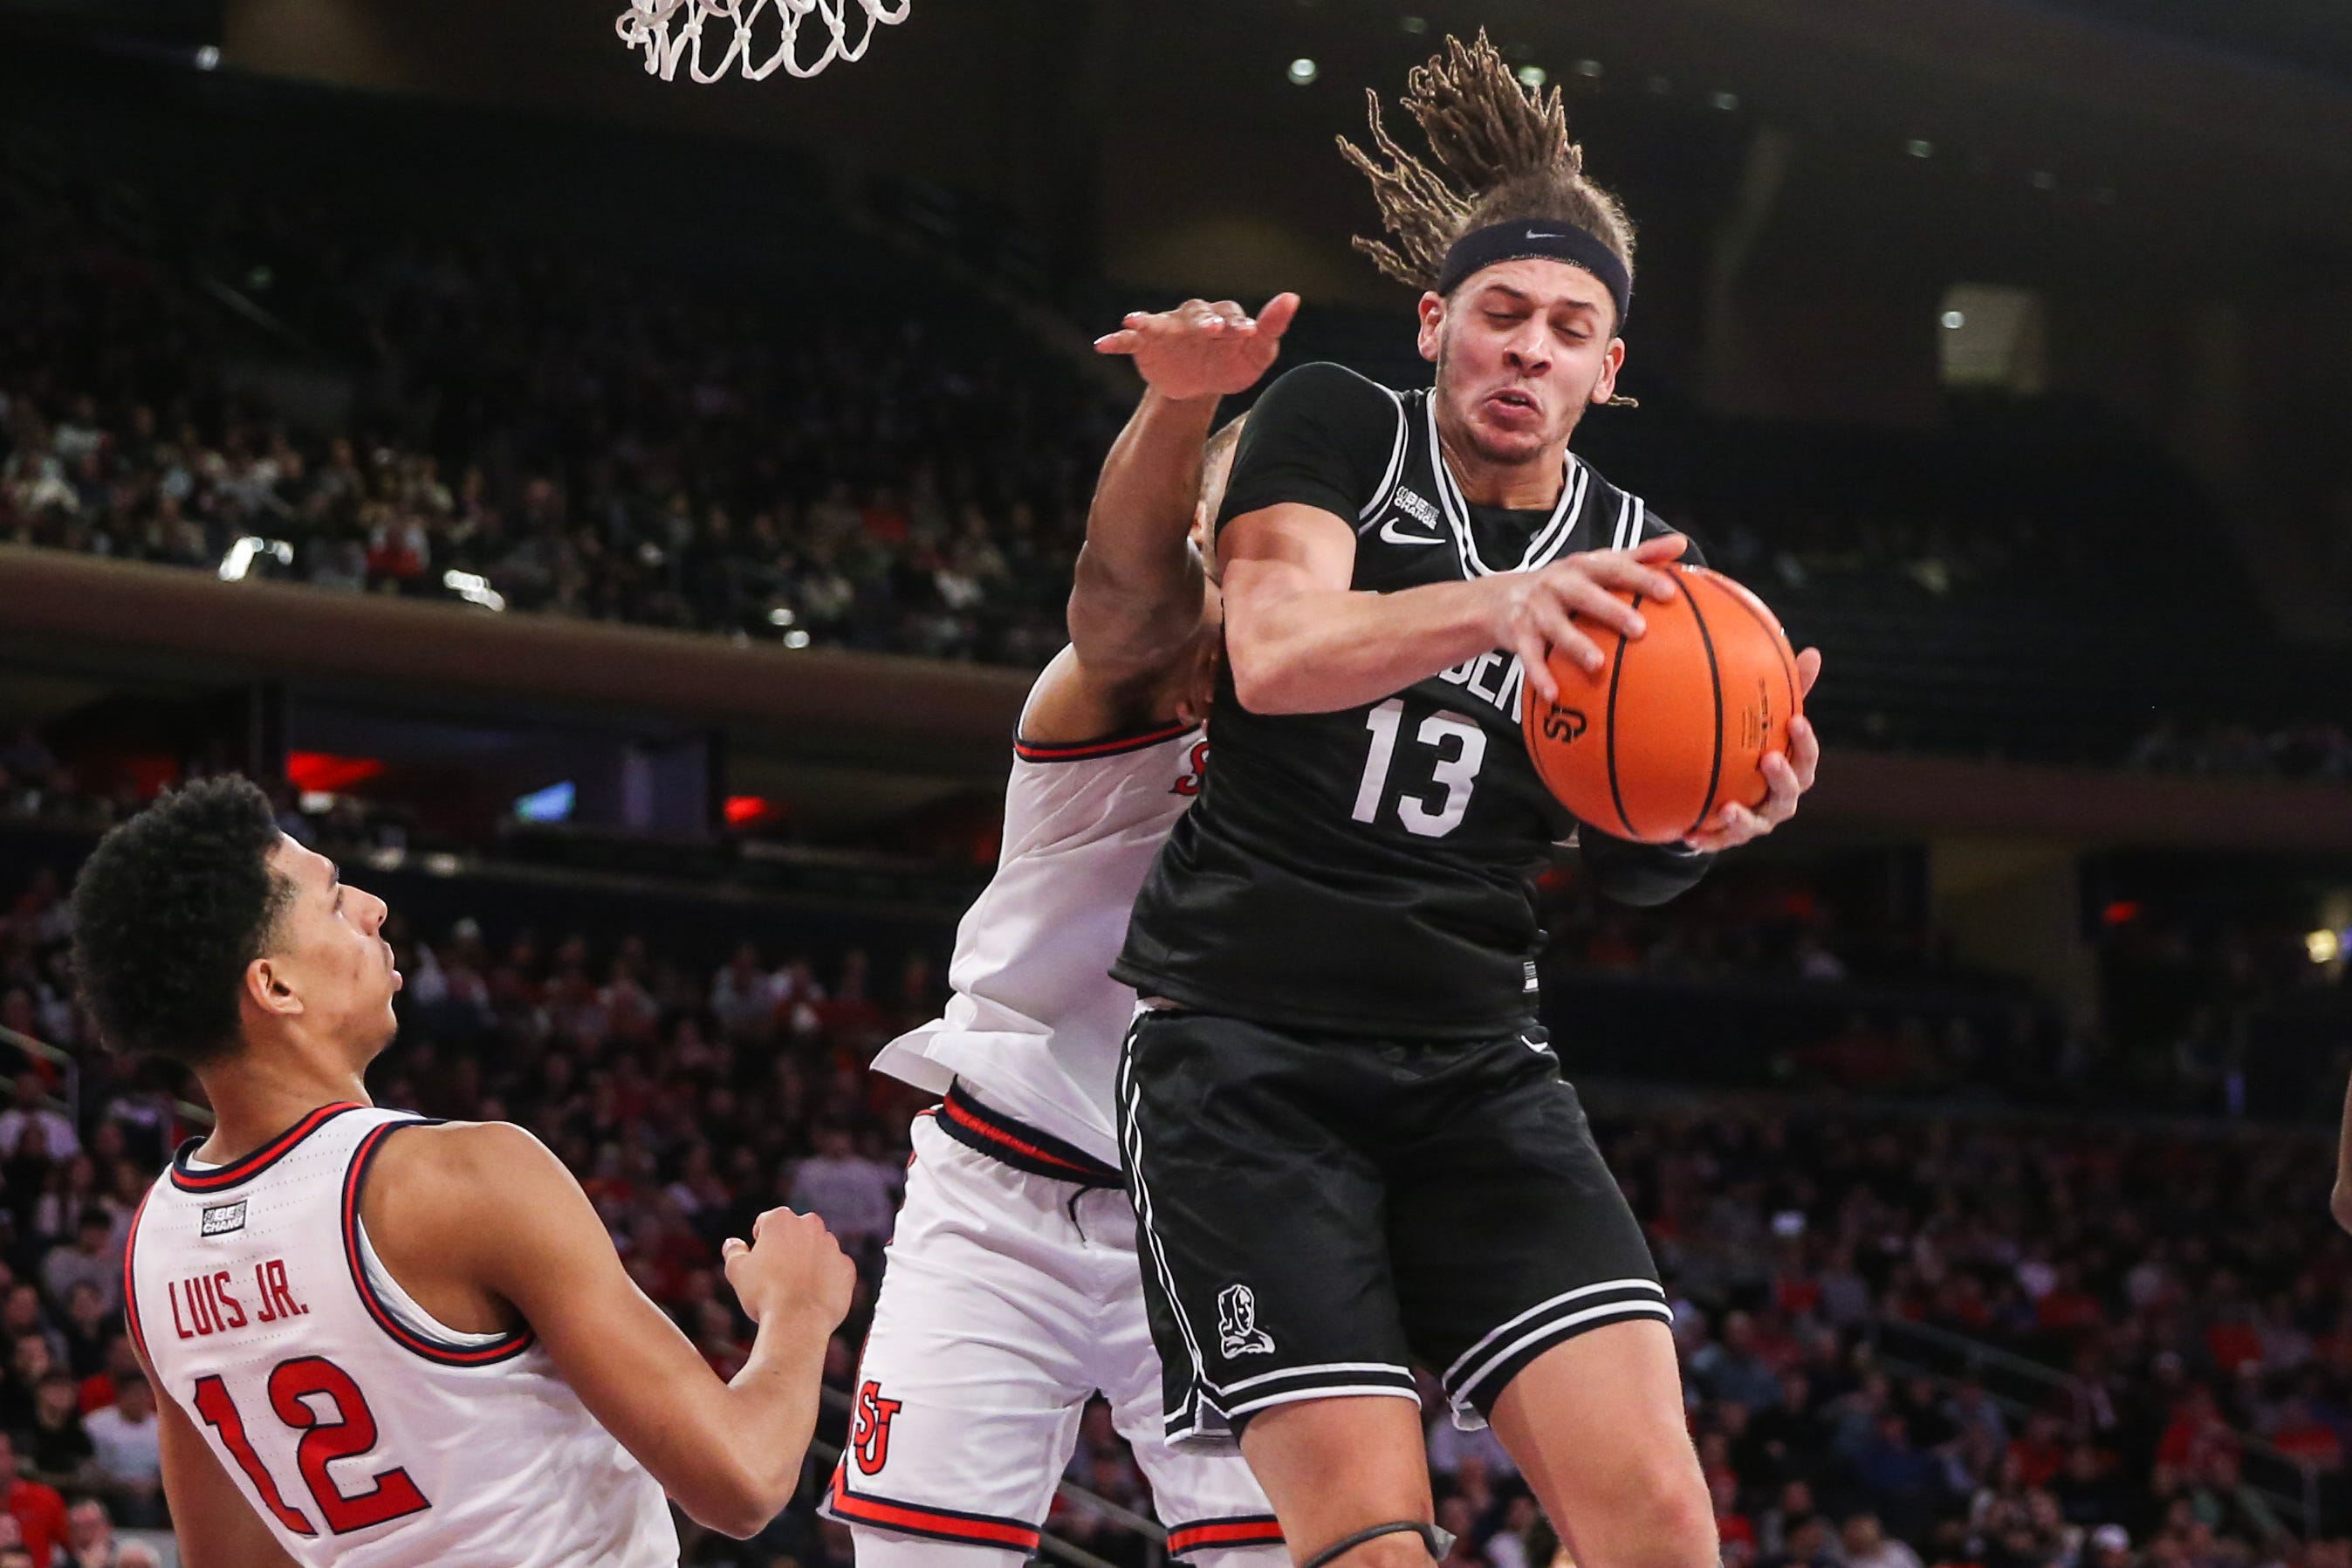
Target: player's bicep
pixel 216 1525
pixel 540 1244
pixel 1286 568
pixel 1291 545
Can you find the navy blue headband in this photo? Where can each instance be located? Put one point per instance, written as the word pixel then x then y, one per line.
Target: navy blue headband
pixel 1553 240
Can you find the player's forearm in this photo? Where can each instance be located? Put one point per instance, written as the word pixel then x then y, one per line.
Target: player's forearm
pixel 1641 875
pixel 1309 649
pixel 1136 597
pixel 770 1415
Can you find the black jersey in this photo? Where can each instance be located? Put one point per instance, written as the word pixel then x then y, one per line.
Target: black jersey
pixel 1372 870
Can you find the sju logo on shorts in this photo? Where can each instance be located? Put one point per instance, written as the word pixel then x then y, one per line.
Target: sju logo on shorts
pixel 1237 1330
pixel 870 1438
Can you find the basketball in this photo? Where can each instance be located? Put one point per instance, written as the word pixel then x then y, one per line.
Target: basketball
pixel 1675 722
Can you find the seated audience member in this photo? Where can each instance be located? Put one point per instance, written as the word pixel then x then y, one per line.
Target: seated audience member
pixel 129 1463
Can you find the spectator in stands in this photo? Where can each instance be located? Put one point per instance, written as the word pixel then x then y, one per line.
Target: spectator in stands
pixel 743 996
pixel 2108 1546
pixel 29 1361
pixel 1809 1545
pixel 1451 1448
pixel 97 1391
pixel 88 1325
pixel 1866 1545
pixel 1731 1370
pixel 90 1537
pixel 58 1449
pixel 37 1511
pixel 855 1196
pixel 27 1127
pixel 129 1463
pixel 91 1263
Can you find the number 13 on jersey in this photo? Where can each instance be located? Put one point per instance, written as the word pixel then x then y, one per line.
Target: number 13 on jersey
pixel 1456 746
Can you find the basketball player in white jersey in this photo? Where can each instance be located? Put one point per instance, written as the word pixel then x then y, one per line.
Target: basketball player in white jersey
pixel 1013 1293
pixel 381 1340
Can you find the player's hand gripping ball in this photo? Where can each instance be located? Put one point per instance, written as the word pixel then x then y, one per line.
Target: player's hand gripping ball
pixel 1676 723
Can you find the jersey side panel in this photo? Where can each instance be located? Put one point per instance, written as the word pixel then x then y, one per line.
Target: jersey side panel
pixel 1035 1021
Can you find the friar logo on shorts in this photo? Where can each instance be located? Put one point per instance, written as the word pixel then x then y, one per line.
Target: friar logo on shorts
pixel 221 1219
pixel 1237 1330
pixel 871 1440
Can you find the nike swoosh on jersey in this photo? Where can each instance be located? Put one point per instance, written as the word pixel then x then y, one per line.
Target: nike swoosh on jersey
pixel 1389 532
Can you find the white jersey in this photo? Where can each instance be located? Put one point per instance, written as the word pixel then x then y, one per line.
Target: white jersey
pixel 360 1429
pixel 1035 1024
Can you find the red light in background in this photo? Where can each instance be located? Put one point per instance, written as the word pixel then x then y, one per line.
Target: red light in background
pixel 2121 912
pixel 744 810
pixel 326 773
pixel 151 776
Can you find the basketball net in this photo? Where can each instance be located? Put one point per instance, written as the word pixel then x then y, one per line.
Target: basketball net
pixel 669 30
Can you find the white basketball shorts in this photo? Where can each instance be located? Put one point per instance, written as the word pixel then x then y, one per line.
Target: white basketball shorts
pixel 1011 1295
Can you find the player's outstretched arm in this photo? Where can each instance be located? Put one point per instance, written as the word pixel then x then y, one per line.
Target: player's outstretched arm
pixel 216 1527
pixel 1299 639
pixel 1135 602
pixel 501 1211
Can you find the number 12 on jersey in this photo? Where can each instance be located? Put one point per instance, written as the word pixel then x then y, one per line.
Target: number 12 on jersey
pixel 295 1387
pixel 1458 745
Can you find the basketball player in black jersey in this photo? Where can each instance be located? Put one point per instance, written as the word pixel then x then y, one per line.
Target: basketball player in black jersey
pixel 1350 1147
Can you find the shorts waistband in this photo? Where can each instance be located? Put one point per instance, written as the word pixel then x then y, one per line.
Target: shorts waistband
pixel 1016 1143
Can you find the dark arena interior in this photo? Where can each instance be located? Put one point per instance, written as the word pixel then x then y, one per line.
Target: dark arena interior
pixel 618 520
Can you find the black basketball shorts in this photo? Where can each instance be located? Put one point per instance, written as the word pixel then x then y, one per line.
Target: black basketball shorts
pixel 1319 1212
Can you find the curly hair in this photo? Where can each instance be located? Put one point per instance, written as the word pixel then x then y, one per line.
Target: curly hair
pixel 167 913
pixel 1502 152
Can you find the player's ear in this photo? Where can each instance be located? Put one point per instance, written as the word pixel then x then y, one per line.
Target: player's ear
pixel 1604 391
pixel 1432 324
pixel 269 989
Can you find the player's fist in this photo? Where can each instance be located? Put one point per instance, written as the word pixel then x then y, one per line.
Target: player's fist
pixel 791 1265
pixel 1202 350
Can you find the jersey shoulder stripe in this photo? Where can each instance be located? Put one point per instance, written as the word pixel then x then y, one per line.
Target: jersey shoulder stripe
pixel 1395 470
pixel 432 1348
pixel 237 1172
pixel 130 1291
pixel 1110 746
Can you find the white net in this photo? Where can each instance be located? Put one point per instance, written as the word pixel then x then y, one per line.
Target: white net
pixel 752 37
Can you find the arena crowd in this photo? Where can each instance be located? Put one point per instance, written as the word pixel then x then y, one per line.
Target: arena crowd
pixel 560 430
pixel 2181 1296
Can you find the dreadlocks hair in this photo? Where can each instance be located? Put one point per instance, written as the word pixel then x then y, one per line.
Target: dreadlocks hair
pixel 1503 154
pixel 169 910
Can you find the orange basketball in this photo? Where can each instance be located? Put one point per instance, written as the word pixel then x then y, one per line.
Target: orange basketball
pixel 1676 722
